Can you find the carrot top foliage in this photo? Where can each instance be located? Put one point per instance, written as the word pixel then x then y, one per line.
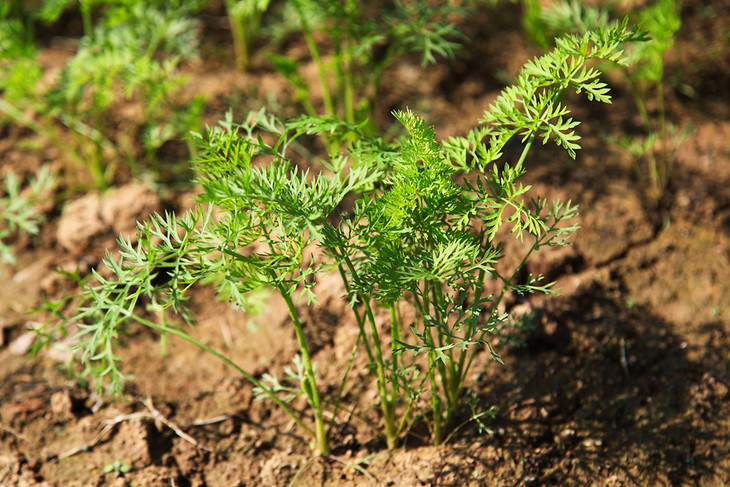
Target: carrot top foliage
pixel 422 235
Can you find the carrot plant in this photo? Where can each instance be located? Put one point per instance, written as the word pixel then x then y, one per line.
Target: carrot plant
pixel 423 236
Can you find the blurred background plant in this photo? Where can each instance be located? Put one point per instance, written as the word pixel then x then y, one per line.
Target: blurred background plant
pixel 18 211
pixel 352 44
pixel 244 17
pixel 127 63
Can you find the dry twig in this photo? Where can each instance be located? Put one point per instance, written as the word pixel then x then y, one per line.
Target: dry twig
pixel 157 415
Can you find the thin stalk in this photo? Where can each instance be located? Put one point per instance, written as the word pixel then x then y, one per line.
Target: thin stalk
pixel 19 116
pixel 240 42
pixel 525 150
pixel 310 387
pixel 387 407
pixel 411 402
pixel 640 105
pixel 426 376
pixel 86 17
pixel 93 162
pixel 391 432
pixel 329 106
pixel 434 364
pixel 348 61
pixel 396 338
pixel 360 319
pixel 317 58
pixel 442 367
pixel 341 389
pixel 507 285
pixel 649 185
pixel 464 368
pixel 243 29
pixel 436 405
pixel 462 357
pixel 348 91
pixel 663 170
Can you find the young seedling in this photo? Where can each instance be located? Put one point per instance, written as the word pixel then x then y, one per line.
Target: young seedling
pixel 423 235
pixel 117 468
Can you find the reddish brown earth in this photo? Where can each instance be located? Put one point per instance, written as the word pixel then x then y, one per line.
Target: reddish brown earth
pixel 623 380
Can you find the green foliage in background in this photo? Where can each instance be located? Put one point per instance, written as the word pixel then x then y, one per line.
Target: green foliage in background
pixel 352 43
pixel 132 54
pixel 18 211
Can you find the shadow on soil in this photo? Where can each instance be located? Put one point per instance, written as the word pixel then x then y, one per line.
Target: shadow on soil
pixel 601 391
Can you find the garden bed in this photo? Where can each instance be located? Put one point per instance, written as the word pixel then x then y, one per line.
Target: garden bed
pixel 623 379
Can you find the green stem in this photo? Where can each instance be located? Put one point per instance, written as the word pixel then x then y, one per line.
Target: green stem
pixel 464 368
pixel 310 381
pixel 348 91
pixel 86 17
pixel 94 160
pixel 663 169
pixel 317 58
pixel 358 317
pixel 525 150
pixel 386 406
pixel 639 100
pixel 395 339
pixel 240 42
pixel 436 405
pixel 341 389
pixel 437 364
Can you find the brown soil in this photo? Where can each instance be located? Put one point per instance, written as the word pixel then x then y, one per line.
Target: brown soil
pixel 623 380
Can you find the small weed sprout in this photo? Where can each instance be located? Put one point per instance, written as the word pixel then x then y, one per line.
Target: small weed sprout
pixel 117 468
pixel 17 210
pixel 424 236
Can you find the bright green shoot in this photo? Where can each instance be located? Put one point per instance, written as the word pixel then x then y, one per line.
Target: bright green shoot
pixel 423 240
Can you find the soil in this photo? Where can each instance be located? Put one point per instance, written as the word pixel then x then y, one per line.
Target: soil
pixel 623 379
